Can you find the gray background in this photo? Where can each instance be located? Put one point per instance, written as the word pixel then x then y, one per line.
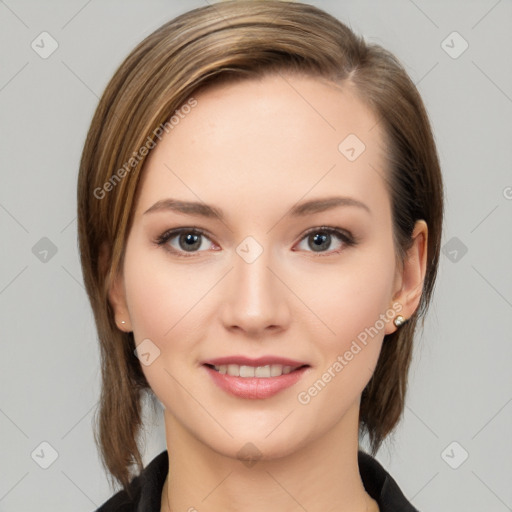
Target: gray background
pixel 460 383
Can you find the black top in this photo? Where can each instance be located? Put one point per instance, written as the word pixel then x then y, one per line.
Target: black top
pixel 147 488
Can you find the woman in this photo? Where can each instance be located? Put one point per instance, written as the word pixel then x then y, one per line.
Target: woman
pixel 260 213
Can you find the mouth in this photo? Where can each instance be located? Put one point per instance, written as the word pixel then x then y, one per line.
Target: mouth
pixel 261 372
pixel 255 379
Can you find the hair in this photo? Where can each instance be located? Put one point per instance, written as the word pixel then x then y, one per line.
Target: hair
pixel 229 41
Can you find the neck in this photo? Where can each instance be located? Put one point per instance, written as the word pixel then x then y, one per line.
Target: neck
pixel 320 476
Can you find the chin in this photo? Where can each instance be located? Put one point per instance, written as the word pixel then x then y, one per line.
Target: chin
pixel 253 444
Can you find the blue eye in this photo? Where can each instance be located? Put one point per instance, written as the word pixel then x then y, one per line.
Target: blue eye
pixel 190 240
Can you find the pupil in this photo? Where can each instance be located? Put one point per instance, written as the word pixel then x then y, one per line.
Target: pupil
pixel 320 239
pixel 191 238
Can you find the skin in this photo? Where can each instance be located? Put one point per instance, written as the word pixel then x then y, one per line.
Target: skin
pixel 254 149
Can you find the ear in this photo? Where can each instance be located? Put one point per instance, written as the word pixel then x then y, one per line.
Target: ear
pixel 117 295
pixel 409 282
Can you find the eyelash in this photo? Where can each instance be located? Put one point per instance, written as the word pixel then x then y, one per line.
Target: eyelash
pixel 346 237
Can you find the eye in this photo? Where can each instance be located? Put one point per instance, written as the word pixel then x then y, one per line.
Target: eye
pixel 321 238
pixel 181 241
pixel 188 240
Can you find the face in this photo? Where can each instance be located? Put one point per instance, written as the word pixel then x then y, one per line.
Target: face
pixel 258 274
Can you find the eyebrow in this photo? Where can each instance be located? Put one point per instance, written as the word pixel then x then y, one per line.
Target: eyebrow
pixel 298 210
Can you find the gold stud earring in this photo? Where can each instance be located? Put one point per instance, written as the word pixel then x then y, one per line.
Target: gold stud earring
pixel 399 321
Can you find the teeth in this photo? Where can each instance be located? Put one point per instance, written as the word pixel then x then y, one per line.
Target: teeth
pixel 246 371
pixel 262 371
pixel 274 370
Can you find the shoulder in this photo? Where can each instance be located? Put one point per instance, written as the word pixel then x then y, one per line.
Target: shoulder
pixel 145 490
pixel 381 486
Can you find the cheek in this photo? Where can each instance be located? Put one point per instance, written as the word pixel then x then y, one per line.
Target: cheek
pixel 150 302
pixel 166 304
pixel 160 295
pixel 349 352
pixel 161 299
pixel 353 296
pixel 355 306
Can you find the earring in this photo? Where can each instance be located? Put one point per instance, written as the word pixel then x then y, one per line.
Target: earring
pixel 123 322
pixel 399 321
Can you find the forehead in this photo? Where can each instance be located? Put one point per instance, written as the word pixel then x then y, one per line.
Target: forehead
pixel 280 137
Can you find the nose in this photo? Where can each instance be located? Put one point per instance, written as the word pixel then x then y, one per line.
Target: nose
pixel 256 299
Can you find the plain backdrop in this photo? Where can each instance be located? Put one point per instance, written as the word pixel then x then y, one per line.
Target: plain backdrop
pixel 453 450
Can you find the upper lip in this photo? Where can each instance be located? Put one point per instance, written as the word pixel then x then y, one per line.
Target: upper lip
pixel 260 361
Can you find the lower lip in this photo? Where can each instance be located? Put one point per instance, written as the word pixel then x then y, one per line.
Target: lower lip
pixel 255 387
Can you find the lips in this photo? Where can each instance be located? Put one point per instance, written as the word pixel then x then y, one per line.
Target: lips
pixel 257 378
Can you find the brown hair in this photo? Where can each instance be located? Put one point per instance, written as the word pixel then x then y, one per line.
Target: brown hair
pixel 232 40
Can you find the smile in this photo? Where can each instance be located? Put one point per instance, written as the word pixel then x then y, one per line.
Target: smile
pixel 235 370
pixel 255 382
